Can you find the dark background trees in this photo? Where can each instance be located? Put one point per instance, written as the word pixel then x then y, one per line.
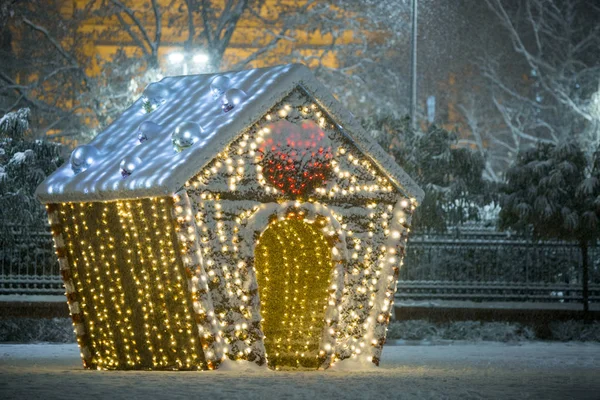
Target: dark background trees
pixel 451 175
pixel 553 191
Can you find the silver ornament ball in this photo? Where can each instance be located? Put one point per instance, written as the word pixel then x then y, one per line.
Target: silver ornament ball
pixel 219 85
pixel 83 157
pixel 232 98
pixel 155 94
pixel 129 164
pixel 147 130
pixel 185 135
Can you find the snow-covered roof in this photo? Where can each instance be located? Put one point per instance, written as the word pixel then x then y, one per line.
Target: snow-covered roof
pixel 164 171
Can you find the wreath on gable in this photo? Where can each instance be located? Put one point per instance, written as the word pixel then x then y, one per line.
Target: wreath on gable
pixel 296 159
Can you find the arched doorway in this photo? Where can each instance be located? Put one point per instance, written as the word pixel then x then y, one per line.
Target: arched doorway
pixel 293 265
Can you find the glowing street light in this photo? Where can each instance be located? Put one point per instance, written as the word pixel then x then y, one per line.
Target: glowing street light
pixel 200 58
pixel 176 57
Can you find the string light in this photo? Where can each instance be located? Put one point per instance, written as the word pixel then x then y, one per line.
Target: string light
pixel 293 264
pixel 134 300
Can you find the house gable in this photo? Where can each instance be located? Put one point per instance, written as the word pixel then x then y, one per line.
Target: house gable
pixel 343 175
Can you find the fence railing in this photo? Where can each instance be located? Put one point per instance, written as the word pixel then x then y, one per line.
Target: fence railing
pixel 484 265
pixel 477 265
pixel 28 264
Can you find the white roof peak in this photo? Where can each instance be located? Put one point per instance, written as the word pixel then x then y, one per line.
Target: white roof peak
pixel 162 171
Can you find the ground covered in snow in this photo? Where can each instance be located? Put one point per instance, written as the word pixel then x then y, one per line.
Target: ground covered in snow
pixel 486 370
pixel 33 330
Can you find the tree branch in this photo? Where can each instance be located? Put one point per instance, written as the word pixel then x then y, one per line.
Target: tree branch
pixel 131 14
pixel 132 34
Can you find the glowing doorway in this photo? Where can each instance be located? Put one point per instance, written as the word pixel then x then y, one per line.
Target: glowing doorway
pixel 293 267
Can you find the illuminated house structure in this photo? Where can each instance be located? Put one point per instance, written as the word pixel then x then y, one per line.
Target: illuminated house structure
pixel 240 216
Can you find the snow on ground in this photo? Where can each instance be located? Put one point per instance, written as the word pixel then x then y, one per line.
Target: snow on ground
pixel 486 370
pixel 33 298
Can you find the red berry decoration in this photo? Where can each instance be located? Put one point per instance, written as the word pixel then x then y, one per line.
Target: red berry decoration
pixel 296 158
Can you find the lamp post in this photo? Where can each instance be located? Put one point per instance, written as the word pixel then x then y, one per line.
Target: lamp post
pixel 413 67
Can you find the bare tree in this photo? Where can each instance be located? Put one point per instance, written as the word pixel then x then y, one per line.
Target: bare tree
pixel 53 70
pixel 359 48
pixel 41 66
pixel 553 99
pixel 49 68
pixel 484 136
pixel 371 77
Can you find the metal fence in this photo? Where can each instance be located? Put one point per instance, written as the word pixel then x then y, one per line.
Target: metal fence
pixel 28 264
pixel 467 264
pixel 484 265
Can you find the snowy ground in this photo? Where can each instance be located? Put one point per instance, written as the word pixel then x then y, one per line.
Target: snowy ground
pixel 486 370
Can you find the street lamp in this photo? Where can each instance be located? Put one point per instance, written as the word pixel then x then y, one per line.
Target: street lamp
pixel 413 68
pixel 176 57
pixel 199 59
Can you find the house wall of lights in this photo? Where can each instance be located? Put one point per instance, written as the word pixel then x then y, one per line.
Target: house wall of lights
pixel 266 227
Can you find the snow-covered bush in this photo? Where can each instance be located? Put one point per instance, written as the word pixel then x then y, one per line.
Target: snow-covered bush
pixel 505 332
pixel 413 330
pixel 575 330
pixel 472 331
pixel 24 163
pixel 451 176
pixel 463 330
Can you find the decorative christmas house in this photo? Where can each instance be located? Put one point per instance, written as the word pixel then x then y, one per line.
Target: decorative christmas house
pixel 239 216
